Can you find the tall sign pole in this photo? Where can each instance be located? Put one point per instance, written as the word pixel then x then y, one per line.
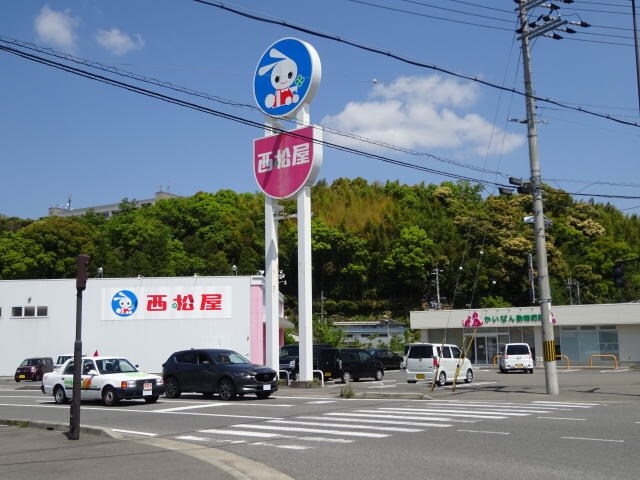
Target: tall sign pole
pixel 548 341
pixel 285 165
pixel 82 274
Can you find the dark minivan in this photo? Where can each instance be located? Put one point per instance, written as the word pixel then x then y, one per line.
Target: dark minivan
pixel 349 364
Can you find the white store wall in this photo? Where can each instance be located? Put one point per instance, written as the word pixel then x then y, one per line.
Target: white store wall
pixel 147 338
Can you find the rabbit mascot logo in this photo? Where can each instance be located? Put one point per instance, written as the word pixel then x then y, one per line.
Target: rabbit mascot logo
pixel 284 78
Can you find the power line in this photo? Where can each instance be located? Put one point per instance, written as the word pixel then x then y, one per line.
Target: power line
pixel 409 61
pixel 260 125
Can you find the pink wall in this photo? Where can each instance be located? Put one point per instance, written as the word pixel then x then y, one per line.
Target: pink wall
pixel 257 327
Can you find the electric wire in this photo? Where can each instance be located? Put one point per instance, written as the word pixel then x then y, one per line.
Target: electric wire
pixel 409 61
pixel 259 125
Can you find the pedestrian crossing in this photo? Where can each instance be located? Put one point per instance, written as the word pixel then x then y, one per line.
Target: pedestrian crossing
pixel 306 431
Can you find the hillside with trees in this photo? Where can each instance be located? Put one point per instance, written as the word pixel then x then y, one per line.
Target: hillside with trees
pixel 375 246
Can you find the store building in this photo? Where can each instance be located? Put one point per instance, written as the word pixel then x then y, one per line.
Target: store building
pixel 584 334
pixel 143 319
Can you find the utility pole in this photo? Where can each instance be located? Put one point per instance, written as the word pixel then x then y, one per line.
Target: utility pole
pixel 635 42
pixel 528 31
pixel 436 272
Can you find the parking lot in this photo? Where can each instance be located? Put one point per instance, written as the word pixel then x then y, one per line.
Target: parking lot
pixel 621 383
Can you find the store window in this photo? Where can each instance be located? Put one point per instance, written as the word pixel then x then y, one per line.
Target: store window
pixel 579 344
pixel 30 311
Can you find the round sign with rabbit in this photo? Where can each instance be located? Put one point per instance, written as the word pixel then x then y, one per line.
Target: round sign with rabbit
pixel 287 77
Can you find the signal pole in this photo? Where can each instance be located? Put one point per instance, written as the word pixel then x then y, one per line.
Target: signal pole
pixel 549 345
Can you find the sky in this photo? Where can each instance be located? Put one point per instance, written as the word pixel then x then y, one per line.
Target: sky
pixel 432 88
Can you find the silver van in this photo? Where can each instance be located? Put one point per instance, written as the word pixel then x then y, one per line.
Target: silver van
pixel 444 361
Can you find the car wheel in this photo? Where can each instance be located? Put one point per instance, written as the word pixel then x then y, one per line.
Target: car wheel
pixel 226 390
pixel 171 388
pixel 59 396
pixel 109 397
pixel 469 376
pixel 531 370
pixel 151 399
pixel 346 376
pixel 379 374
pixel 442 379
pixel 263 395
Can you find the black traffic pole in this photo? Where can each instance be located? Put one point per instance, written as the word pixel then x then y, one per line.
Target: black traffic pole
pixel 82 274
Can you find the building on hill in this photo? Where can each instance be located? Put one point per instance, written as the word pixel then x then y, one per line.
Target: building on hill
pixel 105 210
pixel 371 332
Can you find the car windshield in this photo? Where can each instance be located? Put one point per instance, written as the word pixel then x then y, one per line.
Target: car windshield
pixel 29 362
pixel 289 350
pixel 517 350
pixel 421 351
pixel 115 365
pixel 230 357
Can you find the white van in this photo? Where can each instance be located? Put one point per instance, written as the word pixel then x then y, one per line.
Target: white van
pixel 516 356
pixel 424 360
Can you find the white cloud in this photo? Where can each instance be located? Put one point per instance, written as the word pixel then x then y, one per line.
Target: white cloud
pixel 422 113
pixel 117 42
pixel 57 27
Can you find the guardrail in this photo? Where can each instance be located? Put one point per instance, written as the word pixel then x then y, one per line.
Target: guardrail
pixel 615 359
pixel 563 357
pixel 287 374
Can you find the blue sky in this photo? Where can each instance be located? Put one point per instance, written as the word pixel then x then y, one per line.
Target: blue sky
pixel 64 135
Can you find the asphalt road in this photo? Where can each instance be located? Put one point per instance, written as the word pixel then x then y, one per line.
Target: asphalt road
pixel 500 426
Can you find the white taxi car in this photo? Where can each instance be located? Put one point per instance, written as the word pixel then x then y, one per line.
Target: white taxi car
pixel 109 379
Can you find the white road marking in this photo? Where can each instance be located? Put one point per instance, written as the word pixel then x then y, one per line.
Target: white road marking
pixel 568 404
pixel 451 413
pixel 376 420
pixel 563 418
pixel 485 431
pixel 594 439
pixel 319 430
pixel 320 402
pixel 190 407
pixel 286 447
pixel 244 432
pixel 339 425
pixel 405 417
pixel 133 432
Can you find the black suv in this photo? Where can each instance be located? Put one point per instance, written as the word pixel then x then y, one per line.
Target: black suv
pixel 290 358
pixel 210 371
pixel 349 364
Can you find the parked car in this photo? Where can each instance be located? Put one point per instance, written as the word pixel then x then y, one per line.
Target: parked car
pixel 33 368
pixel 442 361
pixel 390 360
pixel 216 371
pixel 62 359
pixel 349 364
pixel 516 356
pixel 105 378
pixel 290 358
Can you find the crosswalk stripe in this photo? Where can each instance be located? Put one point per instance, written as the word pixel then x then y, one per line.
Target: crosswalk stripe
pixel 318 430
pixel 336 417
pixel 407 417
pixel 248 433
pixel 449 413
pixel 339 425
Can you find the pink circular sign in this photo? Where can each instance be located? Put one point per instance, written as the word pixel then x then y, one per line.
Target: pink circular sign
pixel 288 161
